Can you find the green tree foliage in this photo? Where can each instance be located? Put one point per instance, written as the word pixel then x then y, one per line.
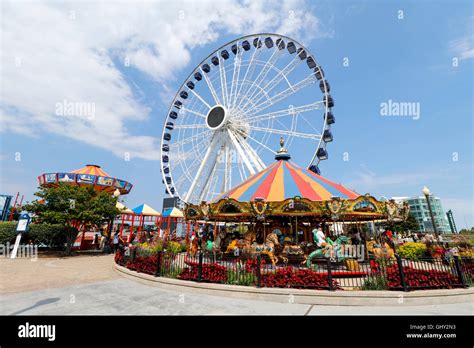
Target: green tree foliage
pixel 404 226
pixel 72 207
pixel 54 236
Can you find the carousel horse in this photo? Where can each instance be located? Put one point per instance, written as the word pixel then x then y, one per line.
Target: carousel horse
pixel 193 246
pixel 214 246
pixel 243 244
pixel 380 251
pixel 268 248
pixel 329 249
pixel 292 250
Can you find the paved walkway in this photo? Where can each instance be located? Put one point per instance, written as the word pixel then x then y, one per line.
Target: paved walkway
pixel 88 285
pixel 19 275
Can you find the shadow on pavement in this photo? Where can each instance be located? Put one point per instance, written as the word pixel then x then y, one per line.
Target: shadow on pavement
pixel 37 304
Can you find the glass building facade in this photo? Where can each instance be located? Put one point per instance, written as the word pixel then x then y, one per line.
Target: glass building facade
pixel 419 209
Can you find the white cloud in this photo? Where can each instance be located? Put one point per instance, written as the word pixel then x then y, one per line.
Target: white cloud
pixel 53 52
pixel 366 179
pixel 463 47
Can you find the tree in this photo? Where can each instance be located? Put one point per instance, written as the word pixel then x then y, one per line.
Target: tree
pixel 73 207
pixel 410 224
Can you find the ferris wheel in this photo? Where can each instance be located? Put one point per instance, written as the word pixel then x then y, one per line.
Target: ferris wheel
pixel 227 117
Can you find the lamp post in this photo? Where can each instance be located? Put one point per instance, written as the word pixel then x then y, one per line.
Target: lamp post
pixel 426 192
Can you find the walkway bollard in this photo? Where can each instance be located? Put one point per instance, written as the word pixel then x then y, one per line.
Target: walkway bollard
pixel 200 267
pixel 331 285
pixel 158 264
pixel 257 271
pixel 457 264
pixel 402 273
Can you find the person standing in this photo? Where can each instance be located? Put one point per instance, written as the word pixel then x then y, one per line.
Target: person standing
pixel 95 242
pixel 116 241
pixel 319 237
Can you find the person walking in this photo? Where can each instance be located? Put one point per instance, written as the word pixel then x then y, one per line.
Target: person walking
pixel 102 242
pixel 116 241
pixel 95 242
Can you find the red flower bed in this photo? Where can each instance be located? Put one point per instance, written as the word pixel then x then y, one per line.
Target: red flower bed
pixel 143 264
pixel 418 278
pixel 211 272
pixel 119 258
pixel 251 265
pixel 301 278
pixel 468 268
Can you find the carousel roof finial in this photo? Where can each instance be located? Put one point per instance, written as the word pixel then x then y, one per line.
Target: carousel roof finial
pixel 282 154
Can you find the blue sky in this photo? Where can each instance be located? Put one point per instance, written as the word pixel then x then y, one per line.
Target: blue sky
pixel 53 52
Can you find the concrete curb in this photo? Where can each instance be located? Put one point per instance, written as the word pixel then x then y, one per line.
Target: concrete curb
pixel 303 296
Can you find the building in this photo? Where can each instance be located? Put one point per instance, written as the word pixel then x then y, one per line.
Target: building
pixel 419 209
pixel 452 224
pixel 5 202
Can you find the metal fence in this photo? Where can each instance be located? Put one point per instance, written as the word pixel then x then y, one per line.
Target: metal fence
pixel 323 273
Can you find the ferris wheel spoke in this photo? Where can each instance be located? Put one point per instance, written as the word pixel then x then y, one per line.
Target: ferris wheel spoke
pixel 223 77
pixel 262 74
pixel 286 132
pixel 291 111
pixel 204 192
pixel 184 110
pixel 199 97
pixel 281 75
pixel 190 126
pixel 190 139
pixel 250 68
pixel 210 154
pixel 210 86
pixel 243 155
pixel 250 153
pixel 255 140
pixel 235 75
pixel 282 95
pixel 227 182
pixel 241 169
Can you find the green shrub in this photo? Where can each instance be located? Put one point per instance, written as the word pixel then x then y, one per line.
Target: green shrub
pixel 375 283
pixel 158 245
pixel 173 247
pixel 184 246
pixel 54 236
pixel 240 278
pixel 7 232
pixel 412 251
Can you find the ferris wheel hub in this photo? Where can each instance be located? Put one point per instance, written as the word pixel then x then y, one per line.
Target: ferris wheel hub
pixel 216 117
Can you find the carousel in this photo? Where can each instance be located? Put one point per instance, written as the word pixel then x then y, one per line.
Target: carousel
pixel 91 175
pixel 94 176
pixel 287 212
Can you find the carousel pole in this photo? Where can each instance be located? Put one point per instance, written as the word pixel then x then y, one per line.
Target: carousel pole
pixel 168 228
pixel 296 229
pixel 130 234
pixel 188 228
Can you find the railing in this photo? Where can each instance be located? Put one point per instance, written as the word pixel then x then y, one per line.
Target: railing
pixel 323 273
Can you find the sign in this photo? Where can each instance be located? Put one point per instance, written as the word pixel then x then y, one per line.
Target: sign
pixel 22 227
pixel 23 222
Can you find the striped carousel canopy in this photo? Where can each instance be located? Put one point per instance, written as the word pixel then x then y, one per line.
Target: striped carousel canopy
pixel 283 180
pixel 91 169
pixel 90 175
